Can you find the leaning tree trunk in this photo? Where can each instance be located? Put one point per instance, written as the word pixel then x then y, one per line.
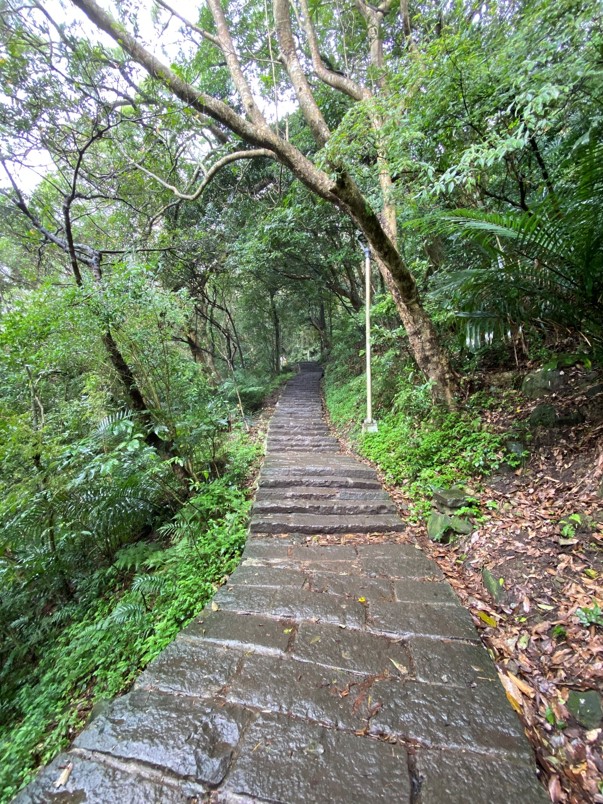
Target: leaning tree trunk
pixel 431 357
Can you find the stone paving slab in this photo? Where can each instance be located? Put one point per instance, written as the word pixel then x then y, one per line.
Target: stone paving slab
pixel 333 481
pixel 450 661
pixel 459 777
pixel 97 782
pixel 292 603
pixel 324 493
pixel 337 673
pixel 328 645
pixel 243 631
pixel 420 618
pixel 321 765
pixel 189 738
pixel 342 508
pixel 185 668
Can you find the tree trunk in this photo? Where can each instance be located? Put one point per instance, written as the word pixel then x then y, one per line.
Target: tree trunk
pixel 201 355
pixel 320 325
pixel 165 448
pixel 424 343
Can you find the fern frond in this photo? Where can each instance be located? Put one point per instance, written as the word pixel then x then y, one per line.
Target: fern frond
pixel 148 584
pixel 128 612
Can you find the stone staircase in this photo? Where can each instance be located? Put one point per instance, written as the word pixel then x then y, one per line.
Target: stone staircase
pixel 340 672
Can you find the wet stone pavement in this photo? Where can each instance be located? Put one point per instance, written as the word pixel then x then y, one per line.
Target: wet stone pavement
pixel 335 673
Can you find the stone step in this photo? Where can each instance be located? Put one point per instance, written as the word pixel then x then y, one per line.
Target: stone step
pixel 278 480
pixel 324 507
pixel 316 470
pixel 317 523
pixel 322 493
pixel 310 442
pixel 315 416
pixel 288 433
pixel 299 429
pixel 315 669
pixel 300 449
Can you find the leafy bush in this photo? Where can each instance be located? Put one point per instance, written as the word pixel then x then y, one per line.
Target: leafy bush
pixel 418 445
pixel 133 608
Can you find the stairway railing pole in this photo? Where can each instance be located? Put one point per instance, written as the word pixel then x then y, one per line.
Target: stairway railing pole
pixel 369 425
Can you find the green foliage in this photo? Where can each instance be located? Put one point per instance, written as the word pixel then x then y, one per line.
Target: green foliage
pixel 440 450
pixel 117 519
pixel 592 615
pixel 149 592
pixel 569 524
pixel 105 550
pixel 419 446
pixel 541 265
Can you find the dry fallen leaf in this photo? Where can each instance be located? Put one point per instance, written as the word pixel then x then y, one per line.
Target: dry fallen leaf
pixel 525 688
pixel 399 667
pixel 65 774
pixel 512 691
pixel 555 791
pixel 487 619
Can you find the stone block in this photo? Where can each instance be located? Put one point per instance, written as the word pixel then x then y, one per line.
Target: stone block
pixel 292 603
pixel 321 766
pixel 249 575
pixel 342 508
pixel 415 565
pixel 192 668
pixel 422 619
pixel 187 737
pixel 334 552
pixel 92 782
pixel 443 716
pixel 409 590
pixel 456 777
pixel 269 548
pixel 244 631
pixel 325 523
pixel 448 661
pixel 340 481
pixel 329 696
pixel 354 651
pixel 352 586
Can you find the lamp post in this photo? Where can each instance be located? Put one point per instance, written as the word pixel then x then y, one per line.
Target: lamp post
pixel 369 425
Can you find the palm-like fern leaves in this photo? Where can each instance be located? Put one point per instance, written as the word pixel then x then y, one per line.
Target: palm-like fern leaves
pixel 543 265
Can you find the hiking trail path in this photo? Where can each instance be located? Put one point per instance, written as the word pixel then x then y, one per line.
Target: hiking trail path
pixel 342 673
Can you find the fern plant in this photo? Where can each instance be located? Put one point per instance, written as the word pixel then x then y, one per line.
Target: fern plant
pixel 544 265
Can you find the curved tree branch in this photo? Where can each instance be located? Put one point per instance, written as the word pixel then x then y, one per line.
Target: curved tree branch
pixel 335 80
pixel 308 105
pixel 214 169
pixel 205 34
pixel 234 65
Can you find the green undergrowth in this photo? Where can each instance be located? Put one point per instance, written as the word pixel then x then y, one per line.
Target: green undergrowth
pixel 252 390
pixel 130 610
pixel 419 446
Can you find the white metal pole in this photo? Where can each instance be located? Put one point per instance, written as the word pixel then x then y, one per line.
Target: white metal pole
pixel 369 425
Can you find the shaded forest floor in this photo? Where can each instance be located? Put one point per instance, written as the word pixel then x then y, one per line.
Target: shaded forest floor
pixel 540 536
